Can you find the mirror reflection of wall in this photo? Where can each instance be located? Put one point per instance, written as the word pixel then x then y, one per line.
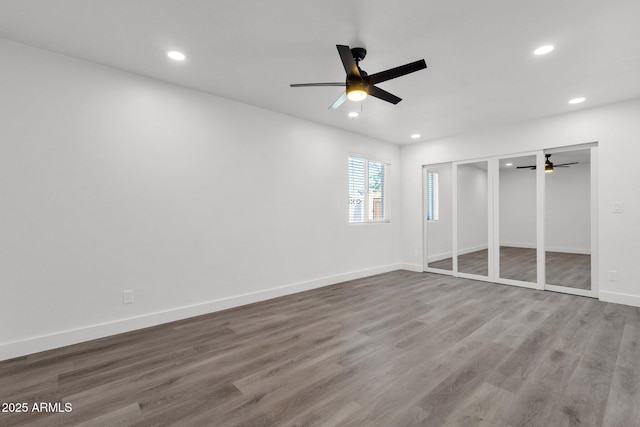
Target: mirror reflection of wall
pixel 568 219
pixel 517 228
pixel 473 240
pixel 438 212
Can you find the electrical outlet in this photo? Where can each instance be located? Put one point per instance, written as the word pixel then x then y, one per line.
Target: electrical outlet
pixel 127 297
pixel 613 275
pixel 617 207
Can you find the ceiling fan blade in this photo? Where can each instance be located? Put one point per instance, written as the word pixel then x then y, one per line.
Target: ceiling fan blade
pixel 338 102
pixel 383 94
pixel 317 84
pixel 566 164
pixel 392 73
pixel 526 167
pixel 348 62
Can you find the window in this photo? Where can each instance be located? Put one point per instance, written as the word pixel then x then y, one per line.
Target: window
pixel 366 190
pixel 433 210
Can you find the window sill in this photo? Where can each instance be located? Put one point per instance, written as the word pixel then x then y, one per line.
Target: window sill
pixel 386 221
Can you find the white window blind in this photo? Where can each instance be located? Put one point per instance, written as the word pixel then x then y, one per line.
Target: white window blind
pixel 432 197
pixel 367 180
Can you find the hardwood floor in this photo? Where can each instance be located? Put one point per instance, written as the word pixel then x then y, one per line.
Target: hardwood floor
pixel 397 349
pixel 563 269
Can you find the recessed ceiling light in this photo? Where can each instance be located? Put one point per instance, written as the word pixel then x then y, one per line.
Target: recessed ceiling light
pixel 354 114
pixel 508 164
pixel 416 136
pixel 543 50
pixel 176 56
pixel 577 100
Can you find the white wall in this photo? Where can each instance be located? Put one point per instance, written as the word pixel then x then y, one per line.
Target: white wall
pixel 567 209
pixel 616 128
pixel 473 208
pixel 110 181
pixel 518 207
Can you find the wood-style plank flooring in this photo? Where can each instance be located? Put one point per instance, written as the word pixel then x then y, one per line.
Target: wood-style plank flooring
pixel 563 269
pixel 397 349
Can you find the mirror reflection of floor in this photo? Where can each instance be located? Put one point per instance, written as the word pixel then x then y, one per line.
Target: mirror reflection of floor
pixel 563 269
pixel 518 264
pixel 571 270
pixel 474 263
pixel 443 264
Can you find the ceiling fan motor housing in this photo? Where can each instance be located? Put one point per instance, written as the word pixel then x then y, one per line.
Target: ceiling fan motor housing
pixel 357 85
pixel 358 53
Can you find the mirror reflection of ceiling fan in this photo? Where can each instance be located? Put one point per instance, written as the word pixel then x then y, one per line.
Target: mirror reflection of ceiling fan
pixel 548 165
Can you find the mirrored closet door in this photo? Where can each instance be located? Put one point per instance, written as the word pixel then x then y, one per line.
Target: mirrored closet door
pixel 568 222
pixel 438 218
pixel 517 220
pixel 472 220
pixel 523 219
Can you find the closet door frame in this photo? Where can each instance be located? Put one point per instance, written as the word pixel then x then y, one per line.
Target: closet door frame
pixel 594 292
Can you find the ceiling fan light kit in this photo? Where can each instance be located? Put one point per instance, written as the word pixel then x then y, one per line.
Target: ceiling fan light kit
pixel 357 91
pixel 358 84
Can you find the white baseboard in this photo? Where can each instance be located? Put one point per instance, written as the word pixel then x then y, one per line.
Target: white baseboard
pixel 550 249
pixel 472 249
pixel 439 257
pixel 618 298
pixel 74 336
pixel 570 251
pixel 445 255
pixel 417 268
pixel 518 245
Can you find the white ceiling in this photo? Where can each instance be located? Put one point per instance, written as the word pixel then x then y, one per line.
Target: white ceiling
pixel 481 70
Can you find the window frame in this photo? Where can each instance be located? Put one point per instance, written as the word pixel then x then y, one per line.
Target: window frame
pixel 433 197
pixel 366 196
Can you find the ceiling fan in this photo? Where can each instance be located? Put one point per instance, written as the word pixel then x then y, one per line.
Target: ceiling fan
pixel 548 165
pixel 358 83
